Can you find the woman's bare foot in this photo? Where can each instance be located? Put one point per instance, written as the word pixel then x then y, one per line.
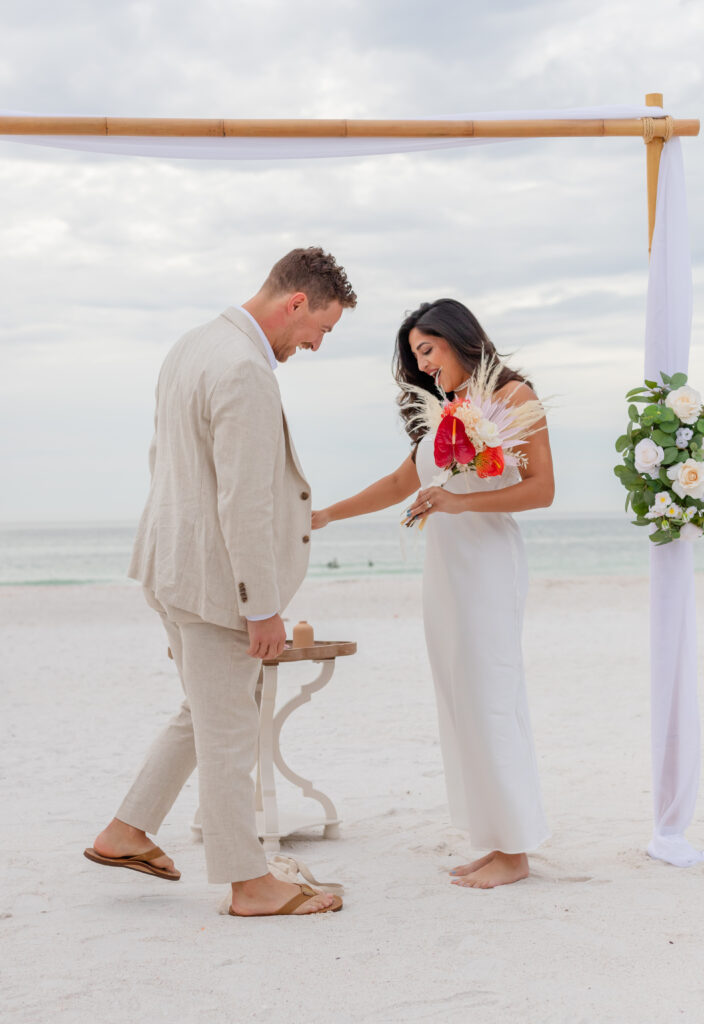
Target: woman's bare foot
pixel 502 869
pixel 467 869
pixel 265 895
pixel 122 840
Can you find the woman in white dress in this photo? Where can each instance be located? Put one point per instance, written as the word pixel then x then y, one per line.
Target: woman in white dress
pixel 474 589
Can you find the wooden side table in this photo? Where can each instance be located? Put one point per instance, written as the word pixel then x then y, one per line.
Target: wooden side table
pixel 272 826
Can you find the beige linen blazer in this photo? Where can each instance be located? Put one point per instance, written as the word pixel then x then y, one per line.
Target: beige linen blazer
pixel 225 532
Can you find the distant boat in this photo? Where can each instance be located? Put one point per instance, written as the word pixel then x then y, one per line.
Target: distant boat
pixel 333 564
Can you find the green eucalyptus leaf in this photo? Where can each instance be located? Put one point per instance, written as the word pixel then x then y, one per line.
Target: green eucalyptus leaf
pixel 670 456
pixel 678 380
pixel 660 437
pixel 622 442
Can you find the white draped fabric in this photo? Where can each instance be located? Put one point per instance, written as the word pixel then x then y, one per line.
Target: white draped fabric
pixel 673 641
pixel 297 149
pixel 675 719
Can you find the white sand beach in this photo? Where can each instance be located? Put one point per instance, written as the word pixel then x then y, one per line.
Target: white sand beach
pixel 598 933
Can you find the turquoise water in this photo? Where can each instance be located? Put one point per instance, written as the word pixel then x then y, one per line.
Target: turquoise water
pixel 99 552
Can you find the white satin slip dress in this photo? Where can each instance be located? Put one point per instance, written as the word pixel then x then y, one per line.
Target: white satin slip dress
pixel 474 588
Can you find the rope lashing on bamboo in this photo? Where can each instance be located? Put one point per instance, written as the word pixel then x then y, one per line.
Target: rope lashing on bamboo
pixel 649 128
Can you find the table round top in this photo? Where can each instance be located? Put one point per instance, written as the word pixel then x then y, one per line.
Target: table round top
pixel 322 650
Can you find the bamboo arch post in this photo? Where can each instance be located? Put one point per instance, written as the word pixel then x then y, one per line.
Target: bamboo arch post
pixel 653 152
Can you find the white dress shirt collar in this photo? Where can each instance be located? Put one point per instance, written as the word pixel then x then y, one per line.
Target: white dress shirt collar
pixel 267 344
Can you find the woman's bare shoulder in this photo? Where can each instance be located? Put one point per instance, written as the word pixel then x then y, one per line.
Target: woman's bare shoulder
pixel 516 393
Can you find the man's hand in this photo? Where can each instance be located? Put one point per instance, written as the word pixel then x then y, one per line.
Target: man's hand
pixel 266 638
pixel 320 519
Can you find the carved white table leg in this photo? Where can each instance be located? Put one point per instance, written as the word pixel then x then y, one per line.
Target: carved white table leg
pixel 258 803
pixel 327 668
pixel 269 819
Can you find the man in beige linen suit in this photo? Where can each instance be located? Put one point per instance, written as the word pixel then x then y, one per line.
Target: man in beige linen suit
pixel 221 549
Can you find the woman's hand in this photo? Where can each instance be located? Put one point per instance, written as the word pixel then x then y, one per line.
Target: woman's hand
pixel 320 519
pixel 435 499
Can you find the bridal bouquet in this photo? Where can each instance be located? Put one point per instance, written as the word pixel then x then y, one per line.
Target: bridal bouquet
pixel 663 459
pixel 478 433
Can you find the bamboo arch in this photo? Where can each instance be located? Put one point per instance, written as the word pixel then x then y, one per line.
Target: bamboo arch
pixel 654 131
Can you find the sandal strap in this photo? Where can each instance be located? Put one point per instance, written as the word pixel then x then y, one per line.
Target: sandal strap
pixel 303 897
pixel 149 855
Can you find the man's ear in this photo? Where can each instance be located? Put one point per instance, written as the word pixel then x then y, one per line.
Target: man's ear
pixel 296 301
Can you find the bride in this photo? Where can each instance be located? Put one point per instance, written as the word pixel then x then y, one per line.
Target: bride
pixel 474 589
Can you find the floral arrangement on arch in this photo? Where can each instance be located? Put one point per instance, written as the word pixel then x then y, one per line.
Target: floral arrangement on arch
pixel 663 459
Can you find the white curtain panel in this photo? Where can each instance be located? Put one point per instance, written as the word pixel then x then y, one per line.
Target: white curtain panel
pixel 675 718
pixel 673 639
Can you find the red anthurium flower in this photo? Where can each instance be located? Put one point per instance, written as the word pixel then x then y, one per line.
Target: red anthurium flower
pixel 490 462
pixel 452 444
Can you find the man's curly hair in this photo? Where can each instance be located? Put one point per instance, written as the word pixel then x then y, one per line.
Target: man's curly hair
pixel 316 274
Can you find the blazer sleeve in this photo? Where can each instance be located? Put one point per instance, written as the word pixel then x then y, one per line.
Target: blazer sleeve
pixel 246 425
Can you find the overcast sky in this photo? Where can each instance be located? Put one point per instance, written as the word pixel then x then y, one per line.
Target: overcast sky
pixel 106 261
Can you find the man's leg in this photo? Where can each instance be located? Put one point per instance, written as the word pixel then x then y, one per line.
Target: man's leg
pixel 220 680
pixel 168 764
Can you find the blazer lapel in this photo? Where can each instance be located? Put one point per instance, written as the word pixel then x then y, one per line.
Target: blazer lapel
pixel 292 450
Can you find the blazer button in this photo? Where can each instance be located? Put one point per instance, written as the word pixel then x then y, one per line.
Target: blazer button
pixel 306 539
pixel 305 495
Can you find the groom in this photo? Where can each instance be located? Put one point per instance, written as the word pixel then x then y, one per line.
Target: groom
pixel 221 549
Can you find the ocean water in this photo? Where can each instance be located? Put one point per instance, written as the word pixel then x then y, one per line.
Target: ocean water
pixel 99 552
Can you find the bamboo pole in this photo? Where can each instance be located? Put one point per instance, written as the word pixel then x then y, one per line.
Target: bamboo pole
pixel 653 152
pixel 173 127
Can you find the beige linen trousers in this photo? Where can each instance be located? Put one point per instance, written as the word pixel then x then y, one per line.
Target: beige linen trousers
pixel 224 535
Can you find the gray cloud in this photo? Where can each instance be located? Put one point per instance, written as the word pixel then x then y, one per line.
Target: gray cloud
pixel 105 261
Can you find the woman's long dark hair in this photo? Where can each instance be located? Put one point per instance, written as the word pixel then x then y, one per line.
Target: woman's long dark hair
pixel 448 319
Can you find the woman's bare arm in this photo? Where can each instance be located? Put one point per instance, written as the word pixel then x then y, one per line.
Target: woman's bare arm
pixel 384 493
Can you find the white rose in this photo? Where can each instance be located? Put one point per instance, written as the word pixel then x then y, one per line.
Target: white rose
pixel 687 479
pixel 648 457
pixel 686 403
pixel 488 433
pixel 690 532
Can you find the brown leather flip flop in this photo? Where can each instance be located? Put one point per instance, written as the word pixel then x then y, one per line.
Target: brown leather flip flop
pixel 293 904
pixel 139 862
